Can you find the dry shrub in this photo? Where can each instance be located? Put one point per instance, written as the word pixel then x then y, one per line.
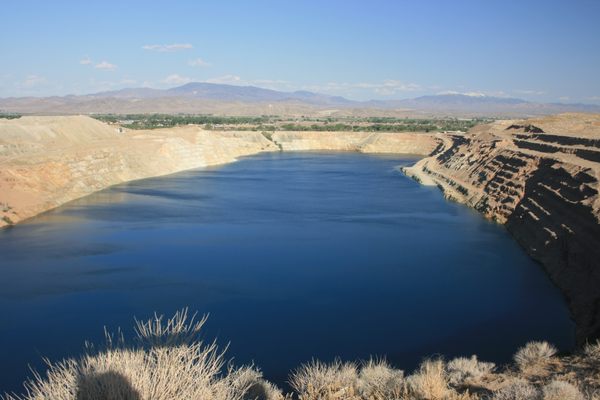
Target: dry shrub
pixel 171 364
pixel 251 382
pixel 560 390
pixel 264 390
pixel 534 354
pixel 593 394
pixel 429 382
pixel 320 381
pixel 180 329
pixel 518 390
pixel 461 369
pixel 461 396
pixel 592 350
pixel 378 381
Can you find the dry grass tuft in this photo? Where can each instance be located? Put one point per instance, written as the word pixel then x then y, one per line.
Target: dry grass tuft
pixel 251 382
pixel 460 396
pixel 178 330
pixel 518 390
pixel 378 381
pixel 593 394
pixel 319 381
pixel 429 381
pixel 375 380
pixel 592 350
pixel 263 390
pixel 464 369
pixel 534 354
pixel 175 366
pixel 169 361
pixel 559 390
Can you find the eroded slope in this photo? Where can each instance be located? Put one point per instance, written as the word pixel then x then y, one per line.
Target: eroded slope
pixel 540 179
pixel 48 161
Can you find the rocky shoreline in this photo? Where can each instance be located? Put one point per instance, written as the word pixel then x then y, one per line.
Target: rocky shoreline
pixel 540 179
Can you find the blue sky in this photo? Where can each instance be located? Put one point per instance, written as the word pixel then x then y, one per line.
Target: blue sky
pixel 538 50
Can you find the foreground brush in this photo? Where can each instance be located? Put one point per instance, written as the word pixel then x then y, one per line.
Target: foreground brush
pixel 167 360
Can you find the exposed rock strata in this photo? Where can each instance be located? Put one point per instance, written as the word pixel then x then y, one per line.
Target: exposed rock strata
pixel 540 179
pixel 48 161
pixel 364 142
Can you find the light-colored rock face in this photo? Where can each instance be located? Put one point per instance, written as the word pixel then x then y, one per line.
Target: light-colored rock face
pixel 48 161
pixel 544 187
pixel 364 142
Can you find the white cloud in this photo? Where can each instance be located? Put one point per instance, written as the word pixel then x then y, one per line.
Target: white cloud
pixel 270 82
pixel 475 94
pixel 105 65
pixel 228 79
pixel 470 94
pixel 85 61
pixel 564 98
pixel 175 79
pixel 530 92
pixel 275 84
pixel 33 80
pixel 198 62
pixel 389 87
pixel 385 88
pixel 166 48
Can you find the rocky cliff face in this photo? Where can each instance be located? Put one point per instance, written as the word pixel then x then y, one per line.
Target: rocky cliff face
pixel 48 161
pixel 540 178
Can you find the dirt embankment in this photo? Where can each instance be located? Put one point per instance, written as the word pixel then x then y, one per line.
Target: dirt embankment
pixel 540 178
pixel 48 161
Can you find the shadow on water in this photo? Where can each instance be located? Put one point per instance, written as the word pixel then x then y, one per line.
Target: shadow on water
pixel 107 386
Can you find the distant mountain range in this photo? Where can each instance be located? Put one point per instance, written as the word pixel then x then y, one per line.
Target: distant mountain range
pixel 226 93
pixel 211 98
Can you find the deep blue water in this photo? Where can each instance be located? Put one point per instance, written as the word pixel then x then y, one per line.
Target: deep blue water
pixel 294 255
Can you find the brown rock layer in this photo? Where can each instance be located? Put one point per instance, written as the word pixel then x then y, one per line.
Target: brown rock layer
pixel 543 186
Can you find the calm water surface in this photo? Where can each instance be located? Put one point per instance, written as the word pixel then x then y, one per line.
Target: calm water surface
pixel 294 255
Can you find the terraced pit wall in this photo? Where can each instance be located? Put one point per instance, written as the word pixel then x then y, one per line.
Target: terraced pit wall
pixel 540 178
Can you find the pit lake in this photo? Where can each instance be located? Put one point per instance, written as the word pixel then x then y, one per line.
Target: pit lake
pixel 295 256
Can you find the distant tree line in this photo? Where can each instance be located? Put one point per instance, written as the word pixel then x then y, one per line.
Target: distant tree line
pixel 273 123
pixel 10 115
pixel 150 121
